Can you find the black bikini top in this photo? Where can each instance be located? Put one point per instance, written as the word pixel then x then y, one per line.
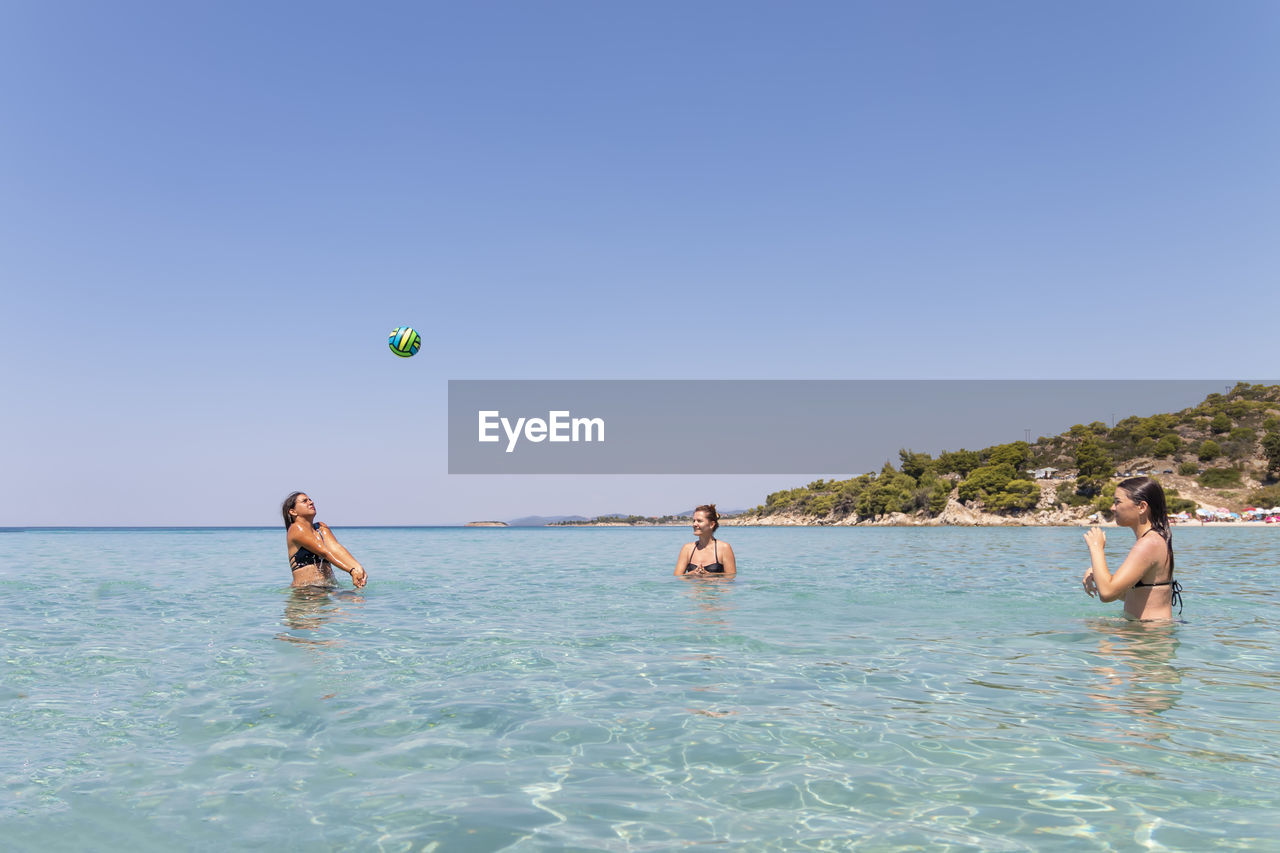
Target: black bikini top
pixel 713 568
pixel 303 557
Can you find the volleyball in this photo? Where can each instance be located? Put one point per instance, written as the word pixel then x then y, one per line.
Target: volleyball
pixel 404 341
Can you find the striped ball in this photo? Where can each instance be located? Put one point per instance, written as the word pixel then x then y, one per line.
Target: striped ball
pixel 404 341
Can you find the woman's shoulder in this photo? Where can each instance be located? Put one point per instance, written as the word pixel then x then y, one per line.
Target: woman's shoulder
pixel 298 528
pixel 1153 547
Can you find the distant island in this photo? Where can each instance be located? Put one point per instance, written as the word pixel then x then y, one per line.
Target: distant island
pixel 485 524
pixel 543 520
pixel 625 521
pixel 679 519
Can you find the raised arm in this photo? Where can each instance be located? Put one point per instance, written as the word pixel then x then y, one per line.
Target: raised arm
pixel 1146 553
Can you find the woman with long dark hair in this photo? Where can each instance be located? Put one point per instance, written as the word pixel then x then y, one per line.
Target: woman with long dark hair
pixel 1145 578
pixel 313 549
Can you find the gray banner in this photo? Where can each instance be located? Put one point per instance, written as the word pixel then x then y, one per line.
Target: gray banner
pixel 771 426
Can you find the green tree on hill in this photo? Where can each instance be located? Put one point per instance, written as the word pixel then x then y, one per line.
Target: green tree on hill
pixel 1168 445
pixel 849 492
pixel 892 491
pixel 914 465
pixel 985 481
pixel 932 492
pixel 1016 455
pixel 1271 450
pixel 1093 467
pixel 1016 495
pixel 1209 450
pixel 958 462
pixel 999 488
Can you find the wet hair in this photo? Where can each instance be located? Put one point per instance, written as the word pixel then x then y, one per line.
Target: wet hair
pixel 289 504
pixel 1145 489
pixel 712 515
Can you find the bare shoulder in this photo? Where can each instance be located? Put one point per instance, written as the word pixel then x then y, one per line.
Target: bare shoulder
pixel 1150 548
pixel 725 545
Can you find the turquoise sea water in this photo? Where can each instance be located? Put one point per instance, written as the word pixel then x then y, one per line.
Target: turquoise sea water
pixel 536 689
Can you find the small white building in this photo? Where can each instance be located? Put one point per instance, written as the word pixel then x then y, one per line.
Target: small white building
pixel 1044 473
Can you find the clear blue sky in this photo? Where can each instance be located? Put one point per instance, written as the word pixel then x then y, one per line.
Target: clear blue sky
pixel 211 215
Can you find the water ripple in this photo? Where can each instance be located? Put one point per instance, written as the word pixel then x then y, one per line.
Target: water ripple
pixel 573 695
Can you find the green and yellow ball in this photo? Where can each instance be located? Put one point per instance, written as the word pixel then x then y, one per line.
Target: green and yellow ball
pixel 404 341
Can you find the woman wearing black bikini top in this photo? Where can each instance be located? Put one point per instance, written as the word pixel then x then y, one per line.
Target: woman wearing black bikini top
pixel 1145 578
pixel 707 557
pixel 313 549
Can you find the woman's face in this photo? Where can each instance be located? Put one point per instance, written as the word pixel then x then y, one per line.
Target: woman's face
pixel 303 507
pixel 1126 511
pixel 702 524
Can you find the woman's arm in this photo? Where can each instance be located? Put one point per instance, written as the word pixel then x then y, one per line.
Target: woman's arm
pixel 1145 553
pixel 303 536
pixel 682 559
pixel 727 559
pixel 358 574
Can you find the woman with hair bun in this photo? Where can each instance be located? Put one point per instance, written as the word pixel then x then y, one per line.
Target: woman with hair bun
pixel 1145 578
pixel 707 556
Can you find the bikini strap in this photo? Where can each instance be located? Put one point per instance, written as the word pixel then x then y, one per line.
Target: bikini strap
pixel 1168 549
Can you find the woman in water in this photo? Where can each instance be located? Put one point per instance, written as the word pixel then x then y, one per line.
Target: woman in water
pixel 313 549
pixel 1145 578
pixel 707 556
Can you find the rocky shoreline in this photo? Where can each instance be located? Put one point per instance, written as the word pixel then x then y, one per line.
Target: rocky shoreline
pixel 955 514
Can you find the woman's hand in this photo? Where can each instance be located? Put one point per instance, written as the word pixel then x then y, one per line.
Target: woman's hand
pixel 358 576
pixel 1090 585
pixel 1095 537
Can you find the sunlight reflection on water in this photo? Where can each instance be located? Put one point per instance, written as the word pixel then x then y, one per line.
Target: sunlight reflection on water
pixel 541 689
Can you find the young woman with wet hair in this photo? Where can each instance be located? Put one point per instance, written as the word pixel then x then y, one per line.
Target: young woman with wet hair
pixel 313 549
pixel 1145 578
pixel 707 556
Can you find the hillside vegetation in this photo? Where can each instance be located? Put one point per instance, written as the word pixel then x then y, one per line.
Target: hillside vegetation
pixel 1225 451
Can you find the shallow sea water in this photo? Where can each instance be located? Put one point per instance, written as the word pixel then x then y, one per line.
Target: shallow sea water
pixel 538 689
